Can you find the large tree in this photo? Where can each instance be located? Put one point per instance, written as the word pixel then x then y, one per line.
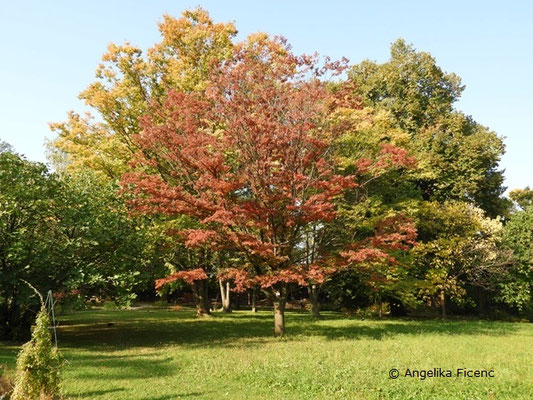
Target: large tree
pixel 62 235
pixel 409 101
pixel 251 159
pixel 126 81
pixel 458 157
pixel 29 246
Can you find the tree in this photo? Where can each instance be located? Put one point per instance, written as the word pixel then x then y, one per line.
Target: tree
pixel 250 159
pixel 457 157
pixel 244 161
pixel 127 79
pixel 517 286
pixel 384 197
pixel 409 101
pixel 457 246
pixel 109 253
pixel 411 86
pixel 63 235
pixel 29 242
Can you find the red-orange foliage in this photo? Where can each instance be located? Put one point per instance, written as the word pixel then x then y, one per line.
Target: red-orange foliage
pixel 376 256
pixel 243 280
pixel 250 159
pixel 391 234
pixel 188 276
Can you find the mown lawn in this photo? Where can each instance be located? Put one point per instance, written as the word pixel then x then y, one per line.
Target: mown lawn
pixel 160 354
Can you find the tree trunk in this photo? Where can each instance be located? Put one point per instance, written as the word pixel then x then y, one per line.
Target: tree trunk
pixel 237 298
pixel 279 300
pixel 313 298
pixel 443 304
pixel 201 298
pixel 225 295
pixel 483 303
pixel 254 297
pixel 279 317
pixel 380 306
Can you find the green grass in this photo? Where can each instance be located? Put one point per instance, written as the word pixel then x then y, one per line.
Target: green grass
pixel 154 354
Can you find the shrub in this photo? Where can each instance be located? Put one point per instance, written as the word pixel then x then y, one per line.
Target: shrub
pixel 38 365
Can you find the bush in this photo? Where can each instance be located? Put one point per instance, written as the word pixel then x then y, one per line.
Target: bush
pixel 38 365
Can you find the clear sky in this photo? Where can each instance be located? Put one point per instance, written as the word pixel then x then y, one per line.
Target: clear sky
pixel 49 51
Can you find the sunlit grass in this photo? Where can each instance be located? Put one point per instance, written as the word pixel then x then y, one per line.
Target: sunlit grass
pixel 165 354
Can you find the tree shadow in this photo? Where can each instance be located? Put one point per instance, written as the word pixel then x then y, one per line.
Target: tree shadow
pixel 153 329
pixel 354 329
pixel 174 396
pixel 84 395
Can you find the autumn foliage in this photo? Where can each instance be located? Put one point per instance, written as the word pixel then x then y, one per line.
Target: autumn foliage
pixel 250 158
pixel 188 276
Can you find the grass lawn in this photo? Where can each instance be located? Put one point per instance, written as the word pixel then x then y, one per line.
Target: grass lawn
pixel 160 354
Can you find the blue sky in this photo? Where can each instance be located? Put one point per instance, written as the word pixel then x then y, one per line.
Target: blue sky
pixel 49 51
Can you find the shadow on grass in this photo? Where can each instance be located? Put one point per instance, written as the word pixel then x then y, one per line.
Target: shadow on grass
pixel 92 393
pixel 155 328
pixel 174 396
pixel 84 395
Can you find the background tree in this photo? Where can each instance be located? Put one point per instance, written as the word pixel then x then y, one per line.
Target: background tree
pixel 111 254
pixel 385 192
pixel 457 246
pixel 409 101
pixel 63 235
pixel 127 79
pixel 30 241
pixel 517 286
pixel 458 158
